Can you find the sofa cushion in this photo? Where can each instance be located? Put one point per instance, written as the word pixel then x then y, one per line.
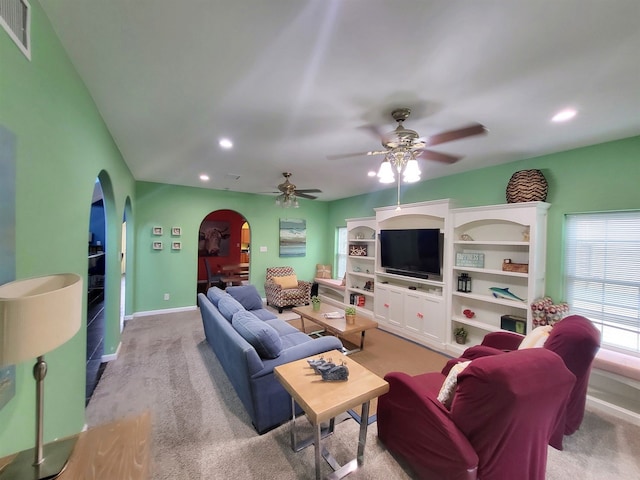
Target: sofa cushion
pixel 282 327
pixel 215 294
pixel 259 334
pixel 247 295
pixel 287 281
pixel 264 314
pixel 227 306
pixel 293 339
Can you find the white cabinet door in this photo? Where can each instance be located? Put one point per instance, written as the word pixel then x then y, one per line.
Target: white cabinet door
pixel 414 307
pixel 425 316
pixel 396 307
pixel 381 303
pixel 389 305
pixel 434 319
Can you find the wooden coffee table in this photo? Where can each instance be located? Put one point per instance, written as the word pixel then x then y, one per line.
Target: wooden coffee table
pixel 336 326
pixel 321 401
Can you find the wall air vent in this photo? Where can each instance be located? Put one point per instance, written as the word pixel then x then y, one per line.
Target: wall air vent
pixel 15 17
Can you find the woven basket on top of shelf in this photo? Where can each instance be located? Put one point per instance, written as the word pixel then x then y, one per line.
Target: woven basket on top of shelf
pixel 527 186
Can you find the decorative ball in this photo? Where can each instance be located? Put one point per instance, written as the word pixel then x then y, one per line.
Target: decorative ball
pixel 527 186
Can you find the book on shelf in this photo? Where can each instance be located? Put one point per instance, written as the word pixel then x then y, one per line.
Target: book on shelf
pixel 357 300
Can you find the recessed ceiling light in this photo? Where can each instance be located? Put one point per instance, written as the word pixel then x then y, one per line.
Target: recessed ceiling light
pixel 225 143
pixel 371 173
pixel 204 177
pixel 564 115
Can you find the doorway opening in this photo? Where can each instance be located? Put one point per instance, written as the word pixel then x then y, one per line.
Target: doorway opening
pixel 224 250
pixel 95 290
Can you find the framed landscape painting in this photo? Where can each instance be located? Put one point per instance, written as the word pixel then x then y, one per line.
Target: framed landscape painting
pixel 293 237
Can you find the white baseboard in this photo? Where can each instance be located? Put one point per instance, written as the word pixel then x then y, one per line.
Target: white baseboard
pixel 126 318
pixel 598 405
pixel 165 311
pixel 112 356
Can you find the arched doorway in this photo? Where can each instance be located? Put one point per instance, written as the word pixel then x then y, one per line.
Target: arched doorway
pixel 224 250
pixel 95 289
pixel 125 240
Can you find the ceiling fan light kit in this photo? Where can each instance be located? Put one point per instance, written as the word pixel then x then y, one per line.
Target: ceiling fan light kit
pixel 287 201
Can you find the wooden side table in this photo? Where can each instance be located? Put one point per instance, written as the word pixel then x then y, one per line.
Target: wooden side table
pixel 322 401
pixel 119 449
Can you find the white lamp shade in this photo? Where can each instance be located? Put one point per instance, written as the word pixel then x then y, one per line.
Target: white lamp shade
pixel 411 172
pixel 385 174
pixel 38 315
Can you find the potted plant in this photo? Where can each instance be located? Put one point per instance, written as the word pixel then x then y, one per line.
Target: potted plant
pixel 315 303
pixel 461 335
pixel 350 314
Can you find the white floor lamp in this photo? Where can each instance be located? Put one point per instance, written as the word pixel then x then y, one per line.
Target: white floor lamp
pixel 38 315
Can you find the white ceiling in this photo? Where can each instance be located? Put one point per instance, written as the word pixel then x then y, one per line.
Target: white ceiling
pixel 291 81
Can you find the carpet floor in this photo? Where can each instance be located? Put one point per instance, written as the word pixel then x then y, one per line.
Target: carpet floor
pixel 201 431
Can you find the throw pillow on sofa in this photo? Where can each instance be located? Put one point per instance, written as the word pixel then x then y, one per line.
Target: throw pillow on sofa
pixel 448 389
pixel 247 295
pixel 536 337
pixel 258 334
pixel 215 294
pixel 227 306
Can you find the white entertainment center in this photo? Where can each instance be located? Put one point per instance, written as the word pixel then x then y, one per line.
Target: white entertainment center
pixel 427 310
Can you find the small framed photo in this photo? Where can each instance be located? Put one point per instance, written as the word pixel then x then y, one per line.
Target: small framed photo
pixel 176 231
pixel 157 245
pixel 176 245
pixel 157 230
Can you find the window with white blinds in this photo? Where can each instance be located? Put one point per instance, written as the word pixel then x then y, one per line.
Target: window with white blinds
pixel 602 268
pixel 341 252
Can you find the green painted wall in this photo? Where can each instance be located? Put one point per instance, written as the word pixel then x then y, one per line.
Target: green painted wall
pixel 175 272
pixel 595 178
pixel 62 146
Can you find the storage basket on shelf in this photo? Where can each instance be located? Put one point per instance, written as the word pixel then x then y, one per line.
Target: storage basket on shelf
pixel 527 186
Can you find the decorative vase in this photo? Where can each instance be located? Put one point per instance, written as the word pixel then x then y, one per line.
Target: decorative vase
pixel 351 319
pixel 527 186
pixel 316 306
pixel 461 339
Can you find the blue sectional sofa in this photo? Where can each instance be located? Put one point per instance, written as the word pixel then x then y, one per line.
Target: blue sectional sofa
pixel 249 342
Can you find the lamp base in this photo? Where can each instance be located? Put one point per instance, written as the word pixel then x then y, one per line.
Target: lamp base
pixel 55 455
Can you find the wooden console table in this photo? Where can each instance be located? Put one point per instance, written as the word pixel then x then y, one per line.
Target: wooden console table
pixel 119 449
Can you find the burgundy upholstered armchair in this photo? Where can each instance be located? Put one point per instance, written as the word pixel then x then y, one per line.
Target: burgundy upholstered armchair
pixel 504 411
pixel 283 289
pixel 574 339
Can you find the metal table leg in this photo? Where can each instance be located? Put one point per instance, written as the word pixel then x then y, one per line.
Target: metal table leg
pixel 297 444
pixel 353 465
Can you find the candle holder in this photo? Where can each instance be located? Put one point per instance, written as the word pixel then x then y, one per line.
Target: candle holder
pixel 464 283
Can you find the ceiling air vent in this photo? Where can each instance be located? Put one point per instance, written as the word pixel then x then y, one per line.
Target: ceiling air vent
pixel 15 16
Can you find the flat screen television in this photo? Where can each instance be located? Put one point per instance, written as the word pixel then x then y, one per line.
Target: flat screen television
pixel 414 253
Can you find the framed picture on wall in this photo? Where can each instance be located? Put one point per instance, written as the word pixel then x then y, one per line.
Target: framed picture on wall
pixel 293 237
pixel 157 230
pixel 157 245
pixel 176 245
pixel 176 231
pixel 213 239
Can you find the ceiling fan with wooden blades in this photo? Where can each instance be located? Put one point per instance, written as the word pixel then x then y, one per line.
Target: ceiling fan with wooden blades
pixel 289 193
pixel 408 140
